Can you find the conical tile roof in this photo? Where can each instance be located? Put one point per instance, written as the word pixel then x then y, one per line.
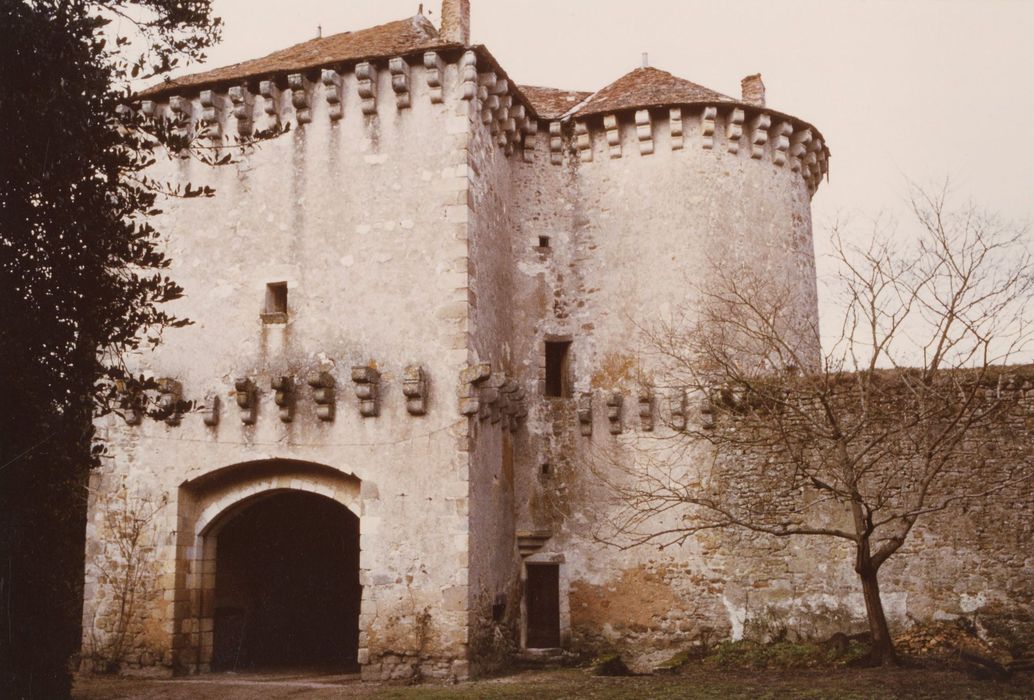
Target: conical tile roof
pixel 647 87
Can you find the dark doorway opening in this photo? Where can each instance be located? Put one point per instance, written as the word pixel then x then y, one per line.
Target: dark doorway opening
pixel 543 606
pixel 287 588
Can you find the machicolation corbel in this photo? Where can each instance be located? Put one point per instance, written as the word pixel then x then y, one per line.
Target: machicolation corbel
pixel 781 142
pixel 210 411
pixel 271 94
pixel 367 389
pixel 300 91
pixel 247 399
pixel 644 131
pixel 283 386
pixel 614 404
pixel 400 81
pixel 243 109
pixel 734 130
pixel 323 394
pixel 434 69
pixel 331 80
pixel 414 388
pixel 677 404
pixel 366 74
pixel 531 130
pixel 470 378
pixel 675 127
pixel 585 414
pixel 612 127
pixel 556 143
pixel 759 127
pixel 646 412
pixel 708 125
pixel 170 394
pixel 468 76
pixel 489 394
pixel 584 141
pixel 212 110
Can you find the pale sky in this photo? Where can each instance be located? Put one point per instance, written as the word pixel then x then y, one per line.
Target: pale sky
pixel 917 89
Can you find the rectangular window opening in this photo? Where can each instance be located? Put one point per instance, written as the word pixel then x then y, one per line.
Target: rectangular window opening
pixel 557 381
pixel 543 241
pixel 275 310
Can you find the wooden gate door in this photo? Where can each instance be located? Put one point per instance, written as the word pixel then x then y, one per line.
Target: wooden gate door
pixel 543 606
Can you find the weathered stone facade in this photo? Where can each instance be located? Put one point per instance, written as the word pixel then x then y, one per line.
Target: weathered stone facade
pixel 373 295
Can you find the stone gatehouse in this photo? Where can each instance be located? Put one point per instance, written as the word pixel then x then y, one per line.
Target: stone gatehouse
pixel 413 324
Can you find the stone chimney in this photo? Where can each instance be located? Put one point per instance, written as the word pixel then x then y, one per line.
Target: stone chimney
pixel 455 22
pixel 753 90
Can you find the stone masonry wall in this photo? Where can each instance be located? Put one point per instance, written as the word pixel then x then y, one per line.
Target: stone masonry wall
pixel 364 217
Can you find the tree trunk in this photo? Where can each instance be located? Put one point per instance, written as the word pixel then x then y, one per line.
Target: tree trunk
pixel 882 652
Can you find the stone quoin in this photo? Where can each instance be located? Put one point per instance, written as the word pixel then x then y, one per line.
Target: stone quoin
pixel 413 325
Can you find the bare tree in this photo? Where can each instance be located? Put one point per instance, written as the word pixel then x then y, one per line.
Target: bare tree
pixel 889 425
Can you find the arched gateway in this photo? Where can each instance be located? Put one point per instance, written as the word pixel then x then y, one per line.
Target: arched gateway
pixel 268 568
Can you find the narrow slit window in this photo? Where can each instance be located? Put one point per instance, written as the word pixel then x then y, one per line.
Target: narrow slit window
pixel 557 382
pixel 275 310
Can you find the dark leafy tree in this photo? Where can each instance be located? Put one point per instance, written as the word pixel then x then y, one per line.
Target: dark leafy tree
pixel 82 282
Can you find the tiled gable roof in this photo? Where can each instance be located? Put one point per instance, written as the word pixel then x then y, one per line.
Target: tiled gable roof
pixel 391 39
pixel 648 87
pixel 551 103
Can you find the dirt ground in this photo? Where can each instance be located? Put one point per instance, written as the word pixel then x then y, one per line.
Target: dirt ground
pixel 844 684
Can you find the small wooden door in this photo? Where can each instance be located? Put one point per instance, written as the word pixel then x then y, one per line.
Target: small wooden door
pixel 543 606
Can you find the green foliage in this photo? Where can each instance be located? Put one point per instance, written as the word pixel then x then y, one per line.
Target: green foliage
pixel 82 283
pixel 747 654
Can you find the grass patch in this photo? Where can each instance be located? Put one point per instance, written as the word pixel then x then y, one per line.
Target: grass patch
pixel 746 654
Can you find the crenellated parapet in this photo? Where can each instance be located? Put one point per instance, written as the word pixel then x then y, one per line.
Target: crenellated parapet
pixel 377 87
pixel 729 129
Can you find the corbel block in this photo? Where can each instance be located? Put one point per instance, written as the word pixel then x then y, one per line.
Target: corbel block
pixel 433 69
pixel 246 399
pixel 708 124
pixel 400 81
pixel 210 411
pixel 271 96
pixel 283 397
pixel 323 394
pixel 530 140
pixel 367 389
pixel 706 413
pixel 331 80
pixel 149 108
pixel 677 404
pixel 489 396
pixel 734 130
pixel 646 412
pixel 584 141
pixel 644 131
pixel 513 404
pixel 675 125
pixel 798 147
pixel 556 143
pixel 614 403
pixel 759 127
pixel 468 76
pixel 366 75
pixel 132 404
pixel 612 127
pixel 211 107
pixel 781 142
pixel 470 377
pixel 182 108
pixel 170 393
pixel 243 109
pixel 414 388
pixel 299 86
pixel 585 414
